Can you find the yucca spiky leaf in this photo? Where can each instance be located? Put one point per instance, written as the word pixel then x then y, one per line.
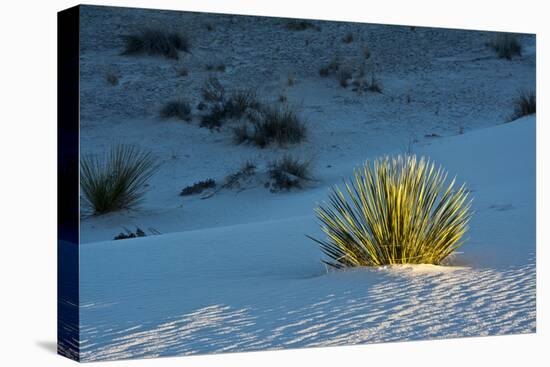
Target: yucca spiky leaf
pixel 394 211
pixel 116 179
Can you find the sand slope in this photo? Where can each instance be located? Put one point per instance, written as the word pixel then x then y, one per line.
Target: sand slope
pixel 261 285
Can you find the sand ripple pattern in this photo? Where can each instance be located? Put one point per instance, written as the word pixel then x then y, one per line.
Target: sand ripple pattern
pixel 399 306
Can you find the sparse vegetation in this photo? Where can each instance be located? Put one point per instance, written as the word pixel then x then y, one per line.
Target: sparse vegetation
pixel 183 71
pixel 178 108
pixel 361 70
pixel 348 38
pixel 241 101
pixel 524 104
pixel 400 211
pixel 129 234
pixel 235 106
pixel 236 179
pixel 112 78
pixel 506 45
pixel 288 172
pixel 374 85
pixel 366 52
pixel 299 25
pixel 290 80
pixel 213 90
pixel 280 125
pixel 331 68
pixel 117 179
pixel 359 85
pixel 241 134
pixel 198 187
pixel 216 67
pixel 344 75
pixel 334 65
pixel 213 119
pixel 156 42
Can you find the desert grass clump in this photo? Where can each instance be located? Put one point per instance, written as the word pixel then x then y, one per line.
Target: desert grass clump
pixel 299 25
pixel 240 102
pixel 366 52
pixel 130 234
pixel 112 78
pixel 288 172
pixel 215 116
pixel 331 68
pixel 198 187
pixel 215 67
pixel 236 179
pixel 290 80
pixel 524 104
pixel 397 211
pixel 344 75
pixel 506 45
pixel 183 71
pixel 156 42
pixel 117 179
pixel 212 90
pixel 279 124
pixel 236 106
pixel 324 71
pixel 374 85
pixel 241 134
pixel 177 108
pixel 348 38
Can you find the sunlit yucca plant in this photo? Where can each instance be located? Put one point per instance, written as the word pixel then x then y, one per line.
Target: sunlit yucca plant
pixel 115 180
pixel 396 211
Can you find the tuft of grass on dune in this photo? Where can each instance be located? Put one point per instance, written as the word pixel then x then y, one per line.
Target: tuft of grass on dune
pixel 198 187
pixel 288 172
pixel 279 125
pixel 300 25
pixel 524 104
pixel 220 108
pixel 177 108
pixel 506 45
pixel 156 42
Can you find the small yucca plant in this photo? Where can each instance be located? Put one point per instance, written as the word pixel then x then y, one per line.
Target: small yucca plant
pixel 116 179
pixel 400 211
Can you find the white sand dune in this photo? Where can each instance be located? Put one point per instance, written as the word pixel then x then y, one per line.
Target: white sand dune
pixel 235 272
pixel 337 309
pixel 261 285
